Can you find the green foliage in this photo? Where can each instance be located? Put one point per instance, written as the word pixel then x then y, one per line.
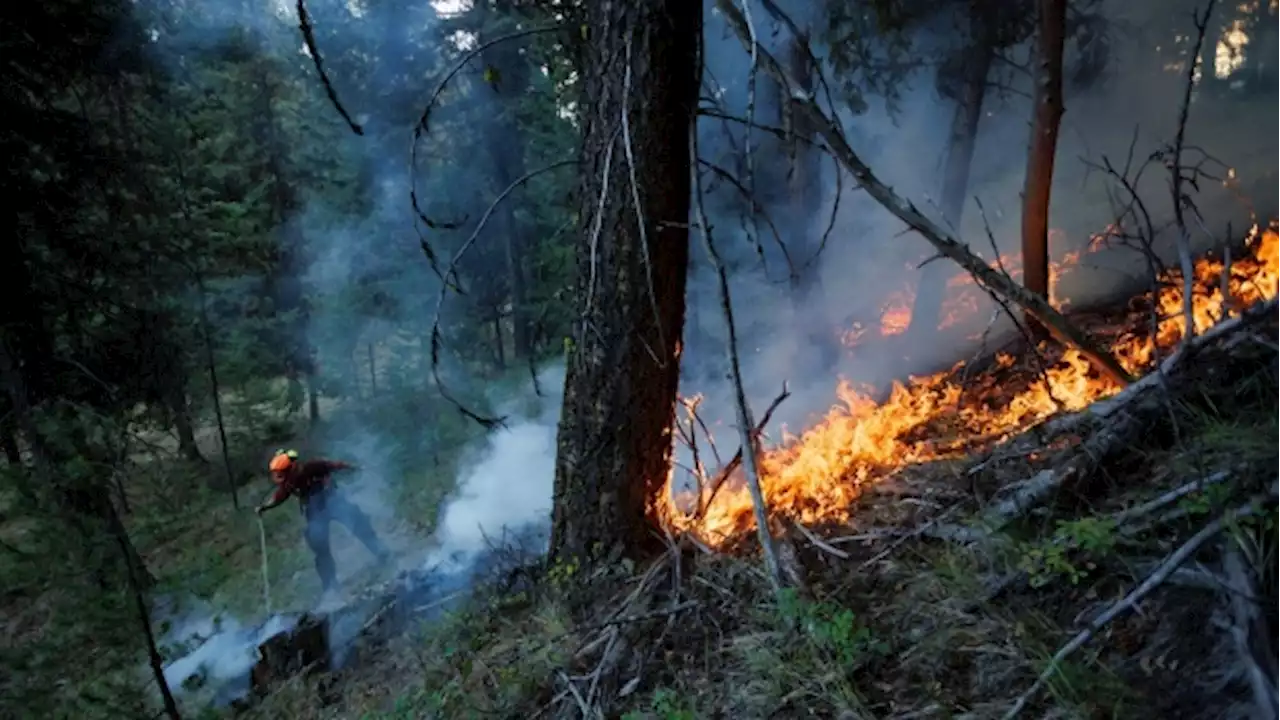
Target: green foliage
pixel 563 574
pixel 481 660
pixel 832 629
pixel 195 229
pixel 664 704
pixel 1070 552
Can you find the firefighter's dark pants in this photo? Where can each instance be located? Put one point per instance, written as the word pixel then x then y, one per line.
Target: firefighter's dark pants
pixel 318 510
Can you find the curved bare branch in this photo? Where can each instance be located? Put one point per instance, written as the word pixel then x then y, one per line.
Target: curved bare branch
pixel 422 127
pixel 451 272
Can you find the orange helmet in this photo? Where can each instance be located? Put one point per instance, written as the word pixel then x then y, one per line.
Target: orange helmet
pixel 283 460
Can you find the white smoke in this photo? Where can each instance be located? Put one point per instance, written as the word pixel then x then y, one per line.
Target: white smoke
pixel 508 486
pixel 503 487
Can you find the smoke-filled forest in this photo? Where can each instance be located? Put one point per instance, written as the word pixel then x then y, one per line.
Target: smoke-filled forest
pixel 664 359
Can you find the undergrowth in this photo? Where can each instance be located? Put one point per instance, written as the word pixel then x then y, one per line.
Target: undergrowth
pixel 933 629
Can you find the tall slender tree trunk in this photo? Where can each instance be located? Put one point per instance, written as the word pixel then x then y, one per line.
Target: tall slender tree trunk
pixel 1043 149
pixel 215 391
pixel 614 441
pixel 926 310
pixel 510 83
pixel 180 410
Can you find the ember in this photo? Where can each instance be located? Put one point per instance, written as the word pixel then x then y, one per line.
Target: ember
pixel 816 476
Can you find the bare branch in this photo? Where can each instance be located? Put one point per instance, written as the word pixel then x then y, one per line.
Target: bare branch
pixel 635 198
pixel 723 475
pixel 422 127
pixel 308 36
pixel 1184 235
pixel 745 426
pixel 756 207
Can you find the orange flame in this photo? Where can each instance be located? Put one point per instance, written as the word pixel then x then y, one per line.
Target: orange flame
pixel 816 476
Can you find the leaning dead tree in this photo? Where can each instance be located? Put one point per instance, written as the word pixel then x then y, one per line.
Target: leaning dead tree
pixel 946 244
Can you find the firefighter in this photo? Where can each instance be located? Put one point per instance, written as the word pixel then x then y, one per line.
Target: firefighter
pixel 320 501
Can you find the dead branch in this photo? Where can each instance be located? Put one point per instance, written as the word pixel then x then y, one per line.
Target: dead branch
pixel 436 337
pixel 1130 601
pixel 1248 627
pixel 745 426
pixel 756 208
pixel 706 431
pixel 727 471
pixel 1117 419
pixel 1165 499
pixel 1137 209
pixel 1126 398
pixel 308 37
pixel 1032 345
pixel 662 354
pixel 819 542
pixel 1184 235
pixel 777 132
pixel 752 76
pixel 941 239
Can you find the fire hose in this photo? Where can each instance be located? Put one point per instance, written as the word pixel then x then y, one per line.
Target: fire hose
pixel 266 577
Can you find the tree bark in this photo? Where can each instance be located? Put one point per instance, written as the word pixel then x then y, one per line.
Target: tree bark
pixel 926 310
pixel 614 442
pixel 1043 151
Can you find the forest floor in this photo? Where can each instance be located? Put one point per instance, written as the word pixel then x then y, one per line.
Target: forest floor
pixel 204 554
pixel 938 598
pixel 917 607
pixel 944 596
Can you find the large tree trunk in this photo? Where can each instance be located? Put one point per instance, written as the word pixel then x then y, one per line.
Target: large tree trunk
pixel 926 310
pixel 808 302
pixel 1041 154
pixel 614 442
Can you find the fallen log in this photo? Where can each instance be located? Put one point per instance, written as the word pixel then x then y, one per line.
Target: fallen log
pixel 1138 390
pixel 1112 425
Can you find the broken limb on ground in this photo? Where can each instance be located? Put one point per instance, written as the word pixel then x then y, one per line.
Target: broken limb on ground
pixel 1116 558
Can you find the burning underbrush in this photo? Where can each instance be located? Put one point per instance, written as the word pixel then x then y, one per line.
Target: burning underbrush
pixel 976 548
pixel 816 477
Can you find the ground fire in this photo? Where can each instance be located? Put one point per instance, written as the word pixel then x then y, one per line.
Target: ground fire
pixel 816 476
